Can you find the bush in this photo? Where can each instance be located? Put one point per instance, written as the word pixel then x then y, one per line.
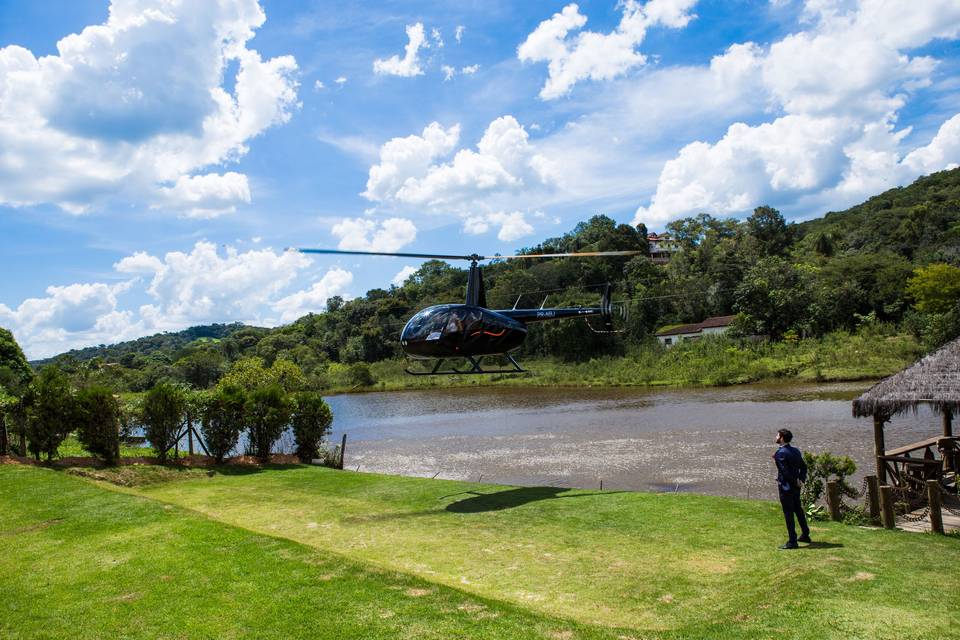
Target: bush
pixel 358 375
pixel 222 419
pixel 162 416
pixel 268 412
pixel 311 424
pixel 50 412
pixel 98 422
pixel 822 467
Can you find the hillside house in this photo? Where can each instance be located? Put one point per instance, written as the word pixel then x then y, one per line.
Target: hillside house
pixel 662 246
pixel 711 326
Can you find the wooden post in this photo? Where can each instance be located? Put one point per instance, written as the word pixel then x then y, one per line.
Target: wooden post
pixel 3 436
pixel 873 498
pixel 833 499
pixel 947 423
pixel 189 435
pixel 343 450
pixel 879 448
pixel 886 506
pixel 933 498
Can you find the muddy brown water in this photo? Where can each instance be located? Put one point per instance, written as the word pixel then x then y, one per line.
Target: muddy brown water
pixel 714 441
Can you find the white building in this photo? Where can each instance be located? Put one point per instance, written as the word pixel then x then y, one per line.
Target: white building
pixel 711 326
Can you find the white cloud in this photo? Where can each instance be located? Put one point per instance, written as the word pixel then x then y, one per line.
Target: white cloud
pixel 838 87
pixel 68 316
pixel 342 80
pixel 318 85
pixel 361 234
pixel 592 55
pixel 205 286
pixel 131 106
pixel 470 69
pixel 206 196
pixel 409 65
pixel 458 33
pixel 437 37
pixel 448 72
pixel 513 226
pixel 402 275
pixel 314 300
pixel 504 161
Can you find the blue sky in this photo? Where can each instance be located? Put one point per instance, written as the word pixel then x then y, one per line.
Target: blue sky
pixel 156 156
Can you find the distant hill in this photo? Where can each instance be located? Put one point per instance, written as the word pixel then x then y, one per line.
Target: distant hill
pixel 161 342
pixel 920 222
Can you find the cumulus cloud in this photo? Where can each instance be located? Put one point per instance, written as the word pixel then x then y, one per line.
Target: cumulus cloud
pixel 458 33
pixel 67 316
pixel 470 69
pixel 592 55
pixel 513 226
pixel 837 88
pixel 129 108
pixel 503 161
pixel 409 65
pixel 402 275
pixel 361 234
pixel 313 300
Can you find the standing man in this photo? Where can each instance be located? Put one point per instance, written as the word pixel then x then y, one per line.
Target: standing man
pixel 791 473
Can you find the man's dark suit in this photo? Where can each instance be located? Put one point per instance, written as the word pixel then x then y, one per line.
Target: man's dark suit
pixel 791 470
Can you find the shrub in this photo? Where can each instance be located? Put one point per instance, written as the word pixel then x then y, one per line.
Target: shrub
pixel 311 423
pixel 822 467
pixel 223 419
pixel 50 412
pixel 268 412
pixel 358 375
pixel 98 422
pixel 162 415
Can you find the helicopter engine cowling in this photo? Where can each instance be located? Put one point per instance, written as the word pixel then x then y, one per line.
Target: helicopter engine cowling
pixel 459 330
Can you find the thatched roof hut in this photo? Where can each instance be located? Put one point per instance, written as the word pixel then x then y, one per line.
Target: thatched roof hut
pixel 934 380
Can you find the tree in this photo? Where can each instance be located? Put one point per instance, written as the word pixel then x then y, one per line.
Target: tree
pixel 773 297
pixel 162 416
pixel 268 412
pixel 201 369
pixel 222 419
pixel 98 422
pixel 935 288
pixel 770 230
pixel 15 375
pixel 311 423
pixel 250 374
pixel 50 412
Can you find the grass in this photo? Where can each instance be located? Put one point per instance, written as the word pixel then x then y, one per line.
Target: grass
pixel 865 355
pixel 249 552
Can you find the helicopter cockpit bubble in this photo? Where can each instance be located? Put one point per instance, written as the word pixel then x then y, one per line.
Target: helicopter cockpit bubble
pixel 429 322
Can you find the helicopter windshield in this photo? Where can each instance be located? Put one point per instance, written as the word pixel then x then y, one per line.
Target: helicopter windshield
pixel 429 324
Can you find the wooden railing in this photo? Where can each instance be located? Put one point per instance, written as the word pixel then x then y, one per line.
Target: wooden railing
pixel 912 465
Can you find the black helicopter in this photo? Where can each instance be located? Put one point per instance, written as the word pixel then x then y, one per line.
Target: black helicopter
pixel 470 330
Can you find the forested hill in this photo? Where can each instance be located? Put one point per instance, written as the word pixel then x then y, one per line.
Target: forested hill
pixel 893 260
pixel 170 342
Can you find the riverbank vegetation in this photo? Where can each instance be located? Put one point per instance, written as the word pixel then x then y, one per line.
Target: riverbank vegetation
pixel 293 551
pixel 806 291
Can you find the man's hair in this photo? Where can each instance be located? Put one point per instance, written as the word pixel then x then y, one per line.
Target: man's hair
pixel 785 434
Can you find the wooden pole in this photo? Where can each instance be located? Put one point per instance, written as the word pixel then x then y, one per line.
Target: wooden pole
pixel 886 505
pixel 879 448
pixel 933 497
pixel 833 499
pixel 873 498
pixel 3 436
pixel 343 450
pixel 189 435
pixel 947 423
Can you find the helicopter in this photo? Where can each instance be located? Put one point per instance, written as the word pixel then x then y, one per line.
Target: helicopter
pixel 471 331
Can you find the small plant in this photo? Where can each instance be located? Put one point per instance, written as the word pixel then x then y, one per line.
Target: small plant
pixel 222 419
pixel 268 412
pixel 162 415
pixel 822 467
pixel 311 423
pixel 98 422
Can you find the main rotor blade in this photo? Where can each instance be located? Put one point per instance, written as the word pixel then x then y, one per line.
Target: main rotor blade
pixel 436 256
pixel 585 254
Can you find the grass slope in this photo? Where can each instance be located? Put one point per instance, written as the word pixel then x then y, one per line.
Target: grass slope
pixel 80 561
pixel 663 565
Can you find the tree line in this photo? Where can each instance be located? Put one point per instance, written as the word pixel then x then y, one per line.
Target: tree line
pixel 38 412
pixel 892 260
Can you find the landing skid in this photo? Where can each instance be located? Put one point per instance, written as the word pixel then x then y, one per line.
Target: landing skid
pixel 475 369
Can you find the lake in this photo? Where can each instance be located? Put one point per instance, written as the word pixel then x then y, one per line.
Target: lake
pixel 712 440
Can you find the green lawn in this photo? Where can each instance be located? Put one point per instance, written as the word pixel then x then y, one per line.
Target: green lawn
pixel 491 561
